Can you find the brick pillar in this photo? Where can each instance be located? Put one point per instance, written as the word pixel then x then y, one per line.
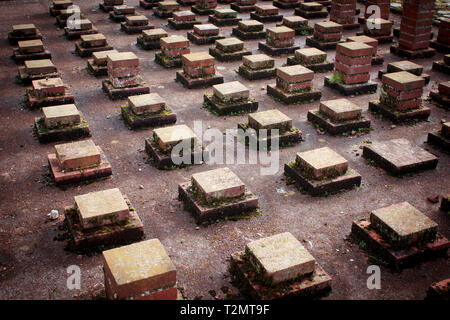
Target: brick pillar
pixel 206 4
pixel 343 12
pixel 383 5
pixel 416 24
pixel 442 43
pixel 354 61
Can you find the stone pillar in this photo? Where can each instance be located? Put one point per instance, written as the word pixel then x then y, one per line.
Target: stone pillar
pixel 442 44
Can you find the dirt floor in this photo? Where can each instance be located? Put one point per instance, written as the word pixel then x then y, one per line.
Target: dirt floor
pixel 33 265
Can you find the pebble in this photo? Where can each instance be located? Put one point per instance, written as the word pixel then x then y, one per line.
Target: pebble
pixel 54 214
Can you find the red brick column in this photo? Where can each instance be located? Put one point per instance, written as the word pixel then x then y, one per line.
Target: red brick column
pixel 384 5
pixel 442 43
pixel 354 61
pixel 343 12
pixel 416 24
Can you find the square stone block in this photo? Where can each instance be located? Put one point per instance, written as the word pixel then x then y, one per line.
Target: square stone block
pixel 48 87
pixel 354 49
pixel 183 16
pixel 146 103
pixel 403 81
pixel 124 9
pixel 31 46
pixel 168 5
pixel 137 270
pixel 154 34
pixel 405 65
pixel 174 42
pixel 399 156
pixel 167 137
pixel 230 91
pixel 24 29
pixel 198 59
pixel 266 10
pixel 62 115
pixel 93 40
pixel 35 67
pixel 281 32
pixel 219 184
pixel 79 154
pixel 101 208
pixel 340 109
pixel 310 56
pixel 122 60
pixel 79 24
pixel 322 162
pixel 294 74
pixel 100 57
pixel 206 29
pixel 269 119
pixel 136 20
pixel 366 40
pixel 258 61
pixel 294 21
pixel 225 13
pixel 328 27
pixel 403 225
pixel 250 25
pixel 229 44
pixel 280 257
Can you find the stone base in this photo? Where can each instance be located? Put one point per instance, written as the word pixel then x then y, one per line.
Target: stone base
pixel 223 22
pixel 45 135
pixel 192 83
pixel 250 74
pixel 397 117
pixel 302 31
pixel 423 75
pixel 148 5
pixel 201 12
pixel 439 291
pixel 134 29
pixel 221 109
pixel 116 17
pixel 286 138
pixel 25 78
pixel 87 52
pixel 318 67
pixel 242 35
pixel 182 25
pixel 381 39
pixel 410 54
pixel 162 14
pixel 205 214
pixel 155 119
pixel 335 128
pixel 13 39
pixel 199 40
pixel 34 103
pixel 351 89
pixel 441 100
pixel 101 171
pixel 441 67
pixel 242 9
pixel 76 34
pixel 272 51
pixel 164 161
pixel 132 230
pixel 293 98
pixel 228 56
pixel 377 60
pixel 105 8
pixel 315 286
pixel 285 5
pixel 97 71
pixel 441 47
pixel 311 14
pixel 436 139
pixel 21 57
pixel 323 187
pixel 186 2
pixel 264 19
pixel 397 258
pixel 122 93
pixel 311 42
pixel 166 62
pixel 148 45
pixel 398 168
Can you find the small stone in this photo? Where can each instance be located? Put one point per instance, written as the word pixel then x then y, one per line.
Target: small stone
pixel 54 214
